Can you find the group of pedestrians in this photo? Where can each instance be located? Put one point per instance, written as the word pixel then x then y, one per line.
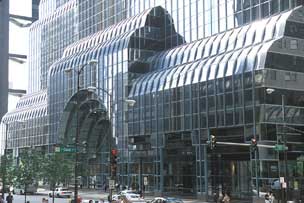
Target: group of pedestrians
pixel 9 198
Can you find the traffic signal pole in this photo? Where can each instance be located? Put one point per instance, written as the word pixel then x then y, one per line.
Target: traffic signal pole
pixel 113 170
pixel 245 144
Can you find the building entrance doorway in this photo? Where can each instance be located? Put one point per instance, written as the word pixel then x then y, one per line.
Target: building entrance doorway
pixel 229 172
pixel 179 165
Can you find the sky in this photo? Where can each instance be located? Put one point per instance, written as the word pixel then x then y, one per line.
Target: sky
pixel 18 44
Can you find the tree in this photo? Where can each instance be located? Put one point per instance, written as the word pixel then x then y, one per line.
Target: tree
pixel 7 170
pixel 29 170
pixel 57 170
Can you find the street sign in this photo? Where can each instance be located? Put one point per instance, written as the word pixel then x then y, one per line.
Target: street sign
pixel 282 180
pixel 280 147
pixel 112 184
pixel 65 149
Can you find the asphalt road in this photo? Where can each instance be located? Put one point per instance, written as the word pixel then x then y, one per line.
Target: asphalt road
pixel 86 195
pixel 37 199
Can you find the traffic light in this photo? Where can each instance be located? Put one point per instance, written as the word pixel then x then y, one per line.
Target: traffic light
pixel 254 144
pixel 114 157
pixel 212 142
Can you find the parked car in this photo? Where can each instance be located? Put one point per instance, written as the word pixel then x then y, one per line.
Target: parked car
pixel 166 200
pixel 61 192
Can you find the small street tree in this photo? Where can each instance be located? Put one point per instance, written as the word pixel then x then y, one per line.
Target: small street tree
pixel 57 170
pixel 7 171
pixel 29 169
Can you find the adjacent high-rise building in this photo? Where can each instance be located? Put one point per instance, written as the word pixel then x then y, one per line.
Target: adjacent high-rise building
pixel 198 69
pixel 4 42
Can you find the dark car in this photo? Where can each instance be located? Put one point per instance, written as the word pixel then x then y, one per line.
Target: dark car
pixel 166 200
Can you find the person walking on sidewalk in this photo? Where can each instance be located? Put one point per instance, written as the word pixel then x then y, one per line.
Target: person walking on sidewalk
pixel 226 198
pixel 1 199
pixel 9 198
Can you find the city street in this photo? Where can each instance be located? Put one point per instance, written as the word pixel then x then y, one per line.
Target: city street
pixel 86 195
pixel 37 199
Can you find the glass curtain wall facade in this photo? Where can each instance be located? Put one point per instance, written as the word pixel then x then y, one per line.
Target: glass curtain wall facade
pixel 194 19
pixel 217 86
pixel 116 48
pixel 48 38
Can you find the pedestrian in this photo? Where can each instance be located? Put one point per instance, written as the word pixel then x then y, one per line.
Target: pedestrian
pixel 1 199
pixel 9 198
pixel 140 193
pixel 271 197
pixel 124 199
pixel 79 199
pixel 226 198
pixel 220 197
pixel 267 200
pixel 215 197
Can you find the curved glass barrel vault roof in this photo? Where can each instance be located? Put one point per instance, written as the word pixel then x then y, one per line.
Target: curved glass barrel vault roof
pixel 28 123
pixel 127 25
pixel 233 52
pixel 28 107
pixel 93 122
pixel 60 11
pixel 116 37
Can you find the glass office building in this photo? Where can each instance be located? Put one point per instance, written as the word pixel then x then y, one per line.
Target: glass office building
pixel 228 68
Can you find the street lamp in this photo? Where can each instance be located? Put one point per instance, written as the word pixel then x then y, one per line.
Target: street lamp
pixel 78 72
pixel 270 91
pixel 131 103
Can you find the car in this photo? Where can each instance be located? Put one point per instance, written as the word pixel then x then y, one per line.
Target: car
pixel 131 197
pixel 276 185
pixel 166 200
pixel 123 192
pixel 94 201
pixel 61 192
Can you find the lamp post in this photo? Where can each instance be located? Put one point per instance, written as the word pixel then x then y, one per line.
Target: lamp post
pixel 78 72
pixel 270 91
pixel 131 103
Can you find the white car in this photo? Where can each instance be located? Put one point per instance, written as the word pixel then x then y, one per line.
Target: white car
pixel 61 192
pixel 166 200
pixel 124 192
pixel 134 198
